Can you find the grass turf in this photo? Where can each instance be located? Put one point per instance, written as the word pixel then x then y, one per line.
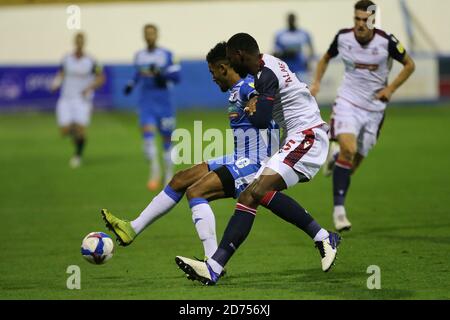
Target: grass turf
pixel 398 204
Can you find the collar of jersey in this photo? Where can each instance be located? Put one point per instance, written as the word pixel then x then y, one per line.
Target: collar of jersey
pixel 237 83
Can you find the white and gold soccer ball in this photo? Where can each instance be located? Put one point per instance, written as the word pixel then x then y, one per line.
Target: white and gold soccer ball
pixel 97 247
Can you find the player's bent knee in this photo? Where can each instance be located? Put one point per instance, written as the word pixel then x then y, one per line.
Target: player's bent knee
pixel 347 153
pixel 258 192
pixel 246 197
pixel 64 130
pixel 178 181
pixel 194 192
pixel 148 130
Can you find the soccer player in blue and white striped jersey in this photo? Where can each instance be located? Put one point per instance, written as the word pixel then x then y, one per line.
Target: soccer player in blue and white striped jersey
pixel 294 46
pixel 224 177
pixel 155 74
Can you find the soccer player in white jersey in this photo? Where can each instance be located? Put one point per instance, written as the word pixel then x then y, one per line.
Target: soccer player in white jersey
pixel 78 77
pixel 155 74
pixel 358 111
pixel 283 98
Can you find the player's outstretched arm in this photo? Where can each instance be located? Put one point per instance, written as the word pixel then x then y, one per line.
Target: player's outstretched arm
pixel 320 71
pixel 408 68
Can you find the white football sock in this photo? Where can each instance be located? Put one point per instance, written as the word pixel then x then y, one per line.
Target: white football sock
pixel 205 223
pixel 321 235
pixel 215 266
pixel 160 205
pixel 339 211
pixel 151 153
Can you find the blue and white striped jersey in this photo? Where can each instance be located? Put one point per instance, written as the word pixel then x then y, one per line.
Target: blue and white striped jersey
pixel 289 46
pixel 159 61
pixel 249 142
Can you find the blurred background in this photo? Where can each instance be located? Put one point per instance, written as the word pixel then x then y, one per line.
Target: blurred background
pixel 34 37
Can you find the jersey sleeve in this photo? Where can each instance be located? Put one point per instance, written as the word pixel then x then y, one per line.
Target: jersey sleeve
pixel 62 64
pixel 308 38
pixel 137 71
pixel 267 83
pixel 267 86
pixel 247 90
pixel 96 68
pixel 172 69
pixel 279 47
pixel 396 49
pixel 333 49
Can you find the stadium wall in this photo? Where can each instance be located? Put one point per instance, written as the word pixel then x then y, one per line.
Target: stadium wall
pixel 25 87
pixel 34 38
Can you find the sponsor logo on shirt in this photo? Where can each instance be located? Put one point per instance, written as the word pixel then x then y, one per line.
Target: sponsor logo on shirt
pixel 370 67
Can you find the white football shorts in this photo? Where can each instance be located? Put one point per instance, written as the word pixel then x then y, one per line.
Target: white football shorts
pixel 73 111
pixel 364 124
pixel 301 157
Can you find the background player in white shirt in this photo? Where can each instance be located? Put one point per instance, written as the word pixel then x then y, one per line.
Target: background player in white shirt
pixel 358 112
pixel 78 78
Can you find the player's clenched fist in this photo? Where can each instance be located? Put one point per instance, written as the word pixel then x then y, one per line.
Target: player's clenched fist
pixel 315 88
pixel 250 108
pixel 384 94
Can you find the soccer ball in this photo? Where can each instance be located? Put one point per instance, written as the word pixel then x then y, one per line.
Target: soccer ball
pixel 97 247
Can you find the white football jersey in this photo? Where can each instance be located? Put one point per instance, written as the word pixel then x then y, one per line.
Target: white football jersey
pixel 79 73
pixel 367 66
pixel 295 109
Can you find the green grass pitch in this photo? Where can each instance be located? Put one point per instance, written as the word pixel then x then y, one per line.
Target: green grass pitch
pixel 399 205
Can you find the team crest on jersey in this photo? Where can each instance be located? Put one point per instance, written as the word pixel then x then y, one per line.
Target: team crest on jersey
pixel 234 96
pixel 233 112
pixel 242 162
pixel 375 51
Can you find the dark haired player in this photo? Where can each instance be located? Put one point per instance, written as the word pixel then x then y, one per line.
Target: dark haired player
pixel 358 111
pixel 282 97
pixel 219 178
